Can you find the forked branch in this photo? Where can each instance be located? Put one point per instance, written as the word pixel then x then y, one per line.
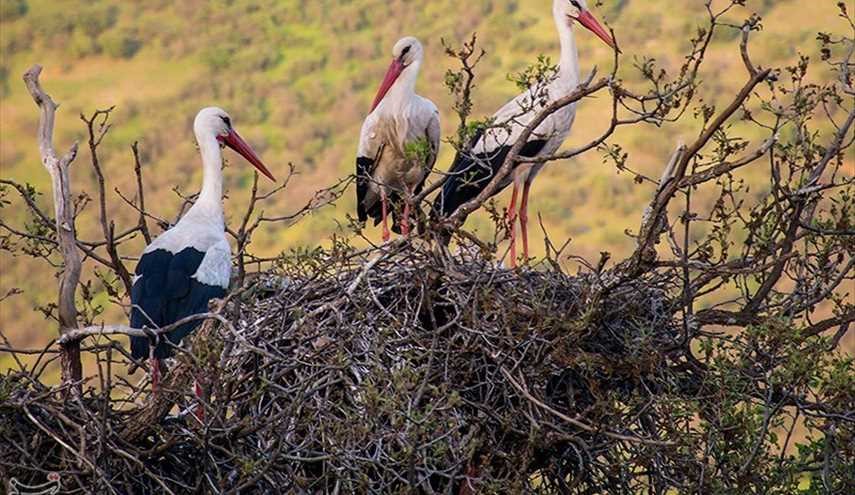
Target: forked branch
pixel 58 168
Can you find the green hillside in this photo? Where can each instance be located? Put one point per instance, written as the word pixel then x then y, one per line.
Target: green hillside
pixel 298 76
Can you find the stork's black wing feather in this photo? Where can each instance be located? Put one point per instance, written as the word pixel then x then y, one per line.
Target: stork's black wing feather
pixel 165 292
pixel 364 168
pixel 470 174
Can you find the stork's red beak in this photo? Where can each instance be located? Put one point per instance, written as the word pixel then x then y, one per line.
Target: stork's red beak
pixel 589 21
pixel 392 75
pixel 235 142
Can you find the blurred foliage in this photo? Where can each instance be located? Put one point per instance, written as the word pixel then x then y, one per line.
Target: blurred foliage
pixel 12 9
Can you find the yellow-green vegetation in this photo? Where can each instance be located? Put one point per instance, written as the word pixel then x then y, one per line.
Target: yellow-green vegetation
pixel 298 76
pixel 418 151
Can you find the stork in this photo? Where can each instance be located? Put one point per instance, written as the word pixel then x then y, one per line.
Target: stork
pixel 189 264
pixel 473 170
pixel 398 144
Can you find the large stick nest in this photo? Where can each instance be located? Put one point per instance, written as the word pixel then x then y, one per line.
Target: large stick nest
pixel 389 370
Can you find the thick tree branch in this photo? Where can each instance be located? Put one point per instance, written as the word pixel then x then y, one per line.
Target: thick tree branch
pixel 58 168
pixel 648 232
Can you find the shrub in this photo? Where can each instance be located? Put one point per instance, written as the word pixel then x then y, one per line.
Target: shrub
pixel 82 45
pixel 120 43
pixel 96 18
pixel 13 9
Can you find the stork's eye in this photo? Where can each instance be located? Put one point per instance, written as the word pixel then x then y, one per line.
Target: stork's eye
pixel 575 4
pixel 406 51
pixel 227 121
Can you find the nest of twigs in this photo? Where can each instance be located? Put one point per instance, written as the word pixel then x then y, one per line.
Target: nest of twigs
pixel 399 369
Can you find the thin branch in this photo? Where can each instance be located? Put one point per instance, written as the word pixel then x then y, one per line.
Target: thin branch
pixel 104 330
pixel 143 223
pixel 584 89
pixel 107 227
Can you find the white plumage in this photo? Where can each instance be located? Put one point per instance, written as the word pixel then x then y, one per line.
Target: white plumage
pixel 216 266
pixel 399 142
pixel 473 170
pixel 189 264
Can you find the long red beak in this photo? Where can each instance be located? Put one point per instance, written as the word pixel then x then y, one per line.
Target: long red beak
pixel 589 21
pixel 235 142
pixel 391 76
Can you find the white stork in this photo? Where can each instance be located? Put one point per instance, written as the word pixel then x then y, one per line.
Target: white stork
pixel 189 264
pixel 398 144
pixel 472 171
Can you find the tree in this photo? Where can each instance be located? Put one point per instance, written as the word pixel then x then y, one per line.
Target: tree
pixel 687 367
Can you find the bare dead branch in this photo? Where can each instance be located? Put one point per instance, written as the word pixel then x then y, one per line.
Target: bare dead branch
pixel 107 227
pixel 142 222
pixel 58 168
pixel 647 235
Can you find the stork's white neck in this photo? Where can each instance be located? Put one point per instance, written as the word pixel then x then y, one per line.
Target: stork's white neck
pixel 568 73
pixel 210 201
pixel 404 88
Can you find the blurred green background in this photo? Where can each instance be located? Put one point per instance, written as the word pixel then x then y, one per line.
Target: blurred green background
pixel 298 77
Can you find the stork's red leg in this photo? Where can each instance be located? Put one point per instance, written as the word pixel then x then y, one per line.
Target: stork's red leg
pixel 198 409
pixel 524 219
pixel 154 364
pixel 512 218
pixel 405 222
pixel 385 209
pixel 467 487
